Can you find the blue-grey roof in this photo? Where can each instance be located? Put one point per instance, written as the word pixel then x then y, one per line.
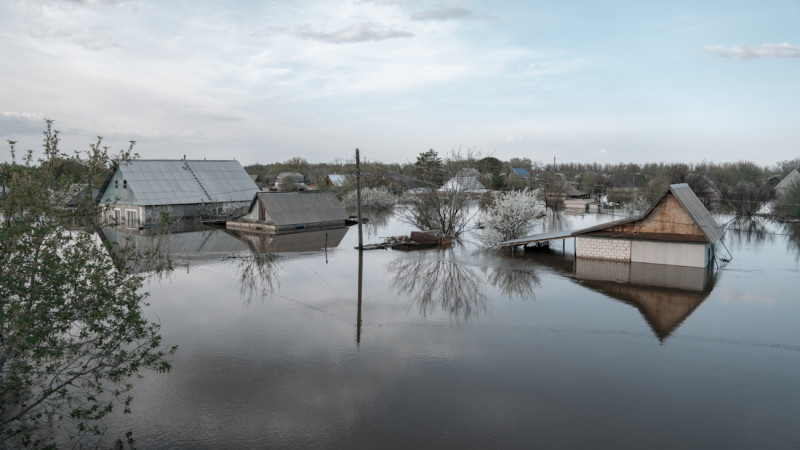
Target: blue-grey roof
pixel 788 180
pixel 170 182
pixel 306 207
pixel 522 172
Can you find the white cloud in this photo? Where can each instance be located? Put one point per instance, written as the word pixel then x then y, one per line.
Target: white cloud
pixel 360 32
pixel 446 13
pixel 602 151
pixel 742 51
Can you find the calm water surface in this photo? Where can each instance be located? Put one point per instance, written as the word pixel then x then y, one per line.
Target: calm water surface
pixel 469 348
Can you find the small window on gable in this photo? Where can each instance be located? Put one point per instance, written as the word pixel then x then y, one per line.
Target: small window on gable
pixel 124 184
pixel 116 184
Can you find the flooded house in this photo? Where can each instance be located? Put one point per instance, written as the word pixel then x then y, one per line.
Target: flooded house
pixel 676 230
pixel 338 180
pixel 291 211
pixel 290 181
pixel 464 184
pixel 139 191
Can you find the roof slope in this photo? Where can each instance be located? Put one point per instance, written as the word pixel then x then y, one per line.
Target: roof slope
pixel 170 182
pixel 787 181
pixel 290 208
pixel 463 184
pixel 688 200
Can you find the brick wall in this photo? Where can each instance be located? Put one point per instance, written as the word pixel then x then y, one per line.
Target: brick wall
pixel 603 248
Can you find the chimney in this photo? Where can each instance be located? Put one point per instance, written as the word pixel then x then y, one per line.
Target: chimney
pixel 184 162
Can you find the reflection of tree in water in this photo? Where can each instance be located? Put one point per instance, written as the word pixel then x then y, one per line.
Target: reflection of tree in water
pixel 438 284
pixel 258 274
pixel 378 220
pixel 792 231
pixel 555 221
pixel 514 283
pixel 746 230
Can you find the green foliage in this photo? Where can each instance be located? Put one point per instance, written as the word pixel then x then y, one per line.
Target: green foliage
pixel 429 168
pixel 72 327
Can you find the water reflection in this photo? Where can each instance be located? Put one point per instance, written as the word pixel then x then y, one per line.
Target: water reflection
pixel 665 295
pixel 184 245
pixel 259 269
pixel 792 231
pixel 378 220
pixel 434 284
pixel 747 230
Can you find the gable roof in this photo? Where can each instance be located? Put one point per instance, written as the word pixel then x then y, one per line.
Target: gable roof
pixel 463 184
pixel 787 181
pixel 290 208
pixel 175 182
pixel 688 200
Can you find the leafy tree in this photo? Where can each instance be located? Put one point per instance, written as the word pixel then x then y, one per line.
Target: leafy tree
pixel 72 325
pixel 429 168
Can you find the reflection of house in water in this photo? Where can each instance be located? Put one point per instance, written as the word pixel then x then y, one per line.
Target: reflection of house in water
pixel 189 246
pixel 665 295
pixel 304 241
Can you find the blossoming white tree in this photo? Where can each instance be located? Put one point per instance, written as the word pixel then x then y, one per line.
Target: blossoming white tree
pixel 511 215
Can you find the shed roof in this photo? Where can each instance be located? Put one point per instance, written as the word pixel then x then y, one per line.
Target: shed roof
pixel 688 200
pixel 302 207
pixel 170 182
pixel 463 184
pixel 682 192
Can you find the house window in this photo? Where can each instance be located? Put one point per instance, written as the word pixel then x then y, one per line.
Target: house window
pixel 124 184
pixel 116 216
pixel 132 221
pixel 116 184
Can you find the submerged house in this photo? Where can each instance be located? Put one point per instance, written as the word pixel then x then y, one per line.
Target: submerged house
pixel 291 211
pixel 676 230
pixel 140 190
pixel 464 184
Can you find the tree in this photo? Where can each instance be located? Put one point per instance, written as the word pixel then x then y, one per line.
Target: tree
pixel 511 215
pixel 72 325
pixel 787 205
pixel 429 168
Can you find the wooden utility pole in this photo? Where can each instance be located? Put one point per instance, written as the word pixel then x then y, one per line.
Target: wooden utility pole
pixel 358 194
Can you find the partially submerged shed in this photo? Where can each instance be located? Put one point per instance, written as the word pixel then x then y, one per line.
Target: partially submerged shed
pixel 291 211
pixel 676 230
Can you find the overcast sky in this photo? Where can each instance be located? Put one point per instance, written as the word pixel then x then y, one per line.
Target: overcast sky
pixel 264 81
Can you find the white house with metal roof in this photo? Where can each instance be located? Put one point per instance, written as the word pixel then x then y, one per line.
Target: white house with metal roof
pixel 291 211
pixel 140 190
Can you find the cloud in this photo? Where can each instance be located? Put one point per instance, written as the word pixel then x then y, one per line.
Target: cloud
pixel 447 13
pixel 743 52
pixel 602 151
pixel 354 33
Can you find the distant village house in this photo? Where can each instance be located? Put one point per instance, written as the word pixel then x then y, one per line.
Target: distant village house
pixel 291 211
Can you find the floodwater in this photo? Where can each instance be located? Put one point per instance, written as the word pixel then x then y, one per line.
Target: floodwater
pixel 465 347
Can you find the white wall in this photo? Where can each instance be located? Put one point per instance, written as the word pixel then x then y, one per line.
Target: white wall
pixel 603 248
pixel 672 253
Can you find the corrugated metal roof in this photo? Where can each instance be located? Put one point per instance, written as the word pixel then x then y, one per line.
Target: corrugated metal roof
pixel 167 182
pixel 292 208
pixel 521 172
pixel 693 206
pixel 687 198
